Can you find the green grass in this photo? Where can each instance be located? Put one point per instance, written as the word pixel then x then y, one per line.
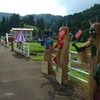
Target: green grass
pixel 37 57
pixel 36 47
pixel 79 74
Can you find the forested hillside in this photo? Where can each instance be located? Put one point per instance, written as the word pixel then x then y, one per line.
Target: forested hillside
pixel 45 17
pixel 81 20
pixel 75 22
pixel 5 15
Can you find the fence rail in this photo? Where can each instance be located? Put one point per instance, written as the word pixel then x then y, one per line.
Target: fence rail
pixel 69 66
pixel 7 45
pixel 22 48
pixel 70 53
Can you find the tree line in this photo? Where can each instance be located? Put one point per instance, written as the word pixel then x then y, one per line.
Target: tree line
pixel 74 22
pixel 15 21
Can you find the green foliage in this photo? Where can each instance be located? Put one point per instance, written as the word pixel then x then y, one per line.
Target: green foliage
pixel 28 26
pixel 40 24
pixel 74 22
pixel 14 20
pixel 83 18
pixel 47 17
pixel 86 34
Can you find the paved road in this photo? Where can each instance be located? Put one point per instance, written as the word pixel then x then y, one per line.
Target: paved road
pixel 21 79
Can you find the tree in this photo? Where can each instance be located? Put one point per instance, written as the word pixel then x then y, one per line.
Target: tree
pixel 30 20
pixel 59 24
pixel 85 34
pixel 74 30
pixel 7 25
pixel 79 25
pixel 3 28
pixel 85 24
pixel 40 23
pixel 25 20
pixel 14 20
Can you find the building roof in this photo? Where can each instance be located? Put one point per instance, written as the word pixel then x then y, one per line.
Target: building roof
pixel 19 29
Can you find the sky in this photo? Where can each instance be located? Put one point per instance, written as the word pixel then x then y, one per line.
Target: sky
pixel 54 7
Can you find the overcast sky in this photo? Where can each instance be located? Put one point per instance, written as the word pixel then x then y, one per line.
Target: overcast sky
pixel 55 7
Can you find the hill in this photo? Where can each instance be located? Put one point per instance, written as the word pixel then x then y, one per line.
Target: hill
pixel 5 15
pixel 46 17
pixel 92 14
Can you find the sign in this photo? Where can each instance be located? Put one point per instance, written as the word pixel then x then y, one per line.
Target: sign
pixel 78 33
pixel 62 33
pixel 44 67
pixel 59 75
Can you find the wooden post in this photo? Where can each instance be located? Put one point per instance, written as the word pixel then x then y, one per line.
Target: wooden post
pixel 48 58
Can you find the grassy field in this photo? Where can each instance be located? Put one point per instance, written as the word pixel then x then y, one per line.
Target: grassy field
pixel 36 47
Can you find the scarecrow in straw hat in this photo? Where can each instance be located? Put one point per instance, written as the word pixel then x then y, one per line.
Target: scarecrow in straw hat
pixel 62 57
pixel 94 60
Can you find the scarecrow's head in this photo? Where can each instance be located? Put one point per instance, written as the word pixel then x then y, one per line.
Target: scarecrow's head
pixel 94 30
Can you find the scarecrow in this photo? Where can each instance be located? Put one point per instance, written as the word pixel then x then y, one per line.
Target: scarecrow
pixel 62 57
pixel 48 44
pixel 47 39
pixel 94 60
pixel 62 34
pixel 2 39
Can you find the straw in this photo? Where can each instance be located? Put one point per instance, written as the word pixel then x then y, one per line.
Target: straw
pixel 92 86
pixel 48 58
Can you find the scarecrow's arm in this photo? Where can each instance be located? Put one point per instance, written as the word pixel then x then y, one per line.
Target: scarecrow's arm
pixel 83 47
pixel 60 42
pixel 51 49
pixel 79 49
pixel 36 38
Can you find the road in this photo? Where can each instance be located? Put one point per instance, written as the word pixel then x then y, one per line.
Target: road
pixel 21 79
